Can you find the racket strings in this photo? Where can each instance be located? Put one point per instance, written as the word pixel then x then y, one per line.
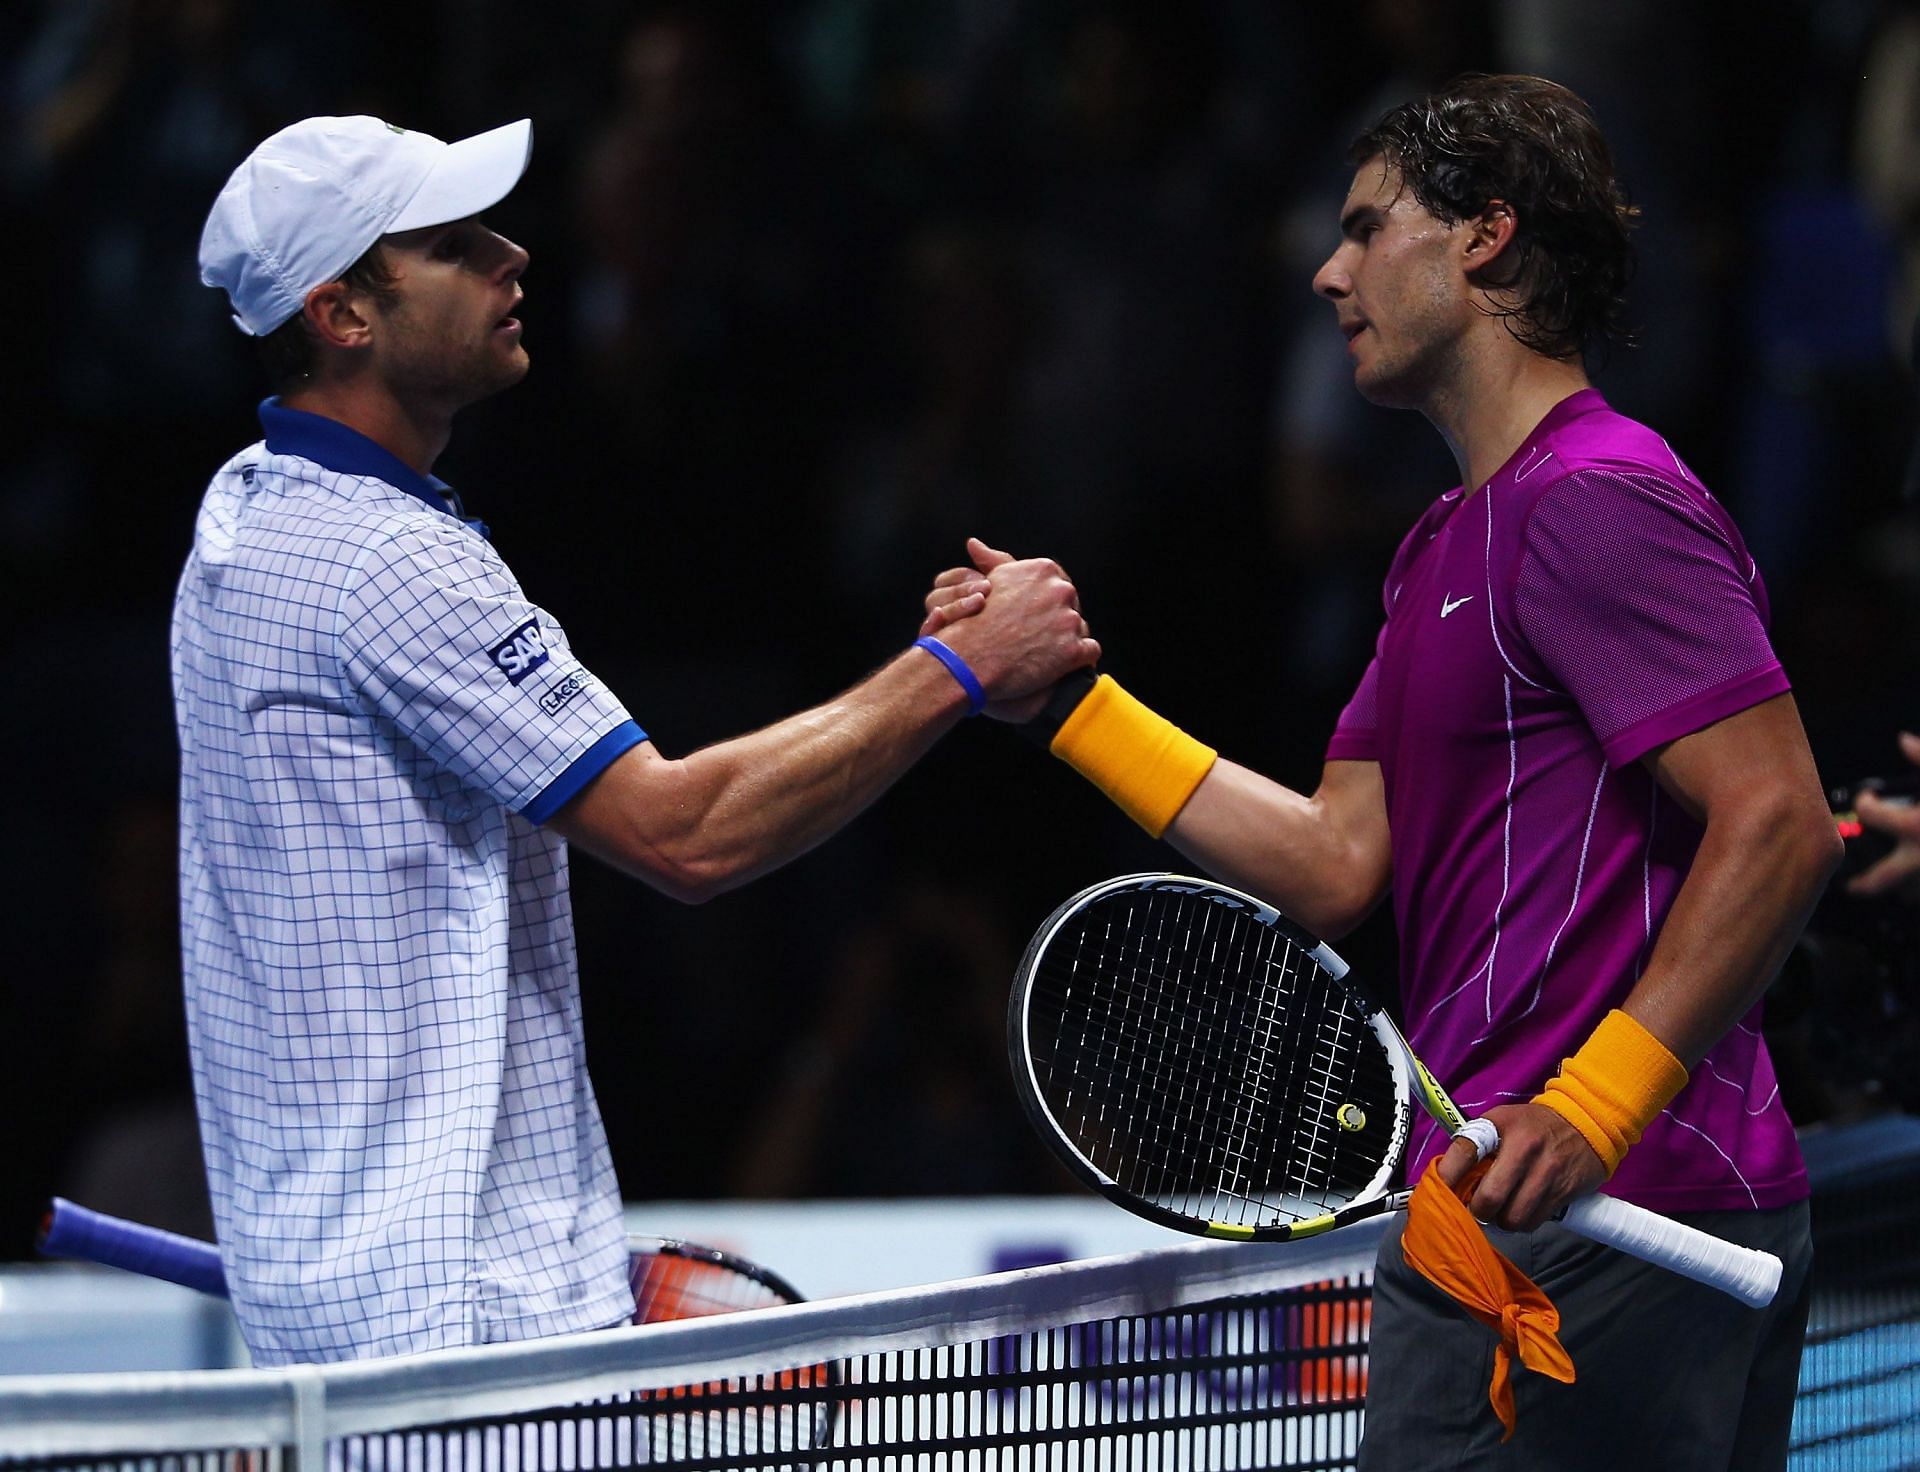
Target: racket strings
pixel 1170 1037
pixel 1184 1007
pixel 1260 1072
pixel 1327 1086
pixel 1315 1074
pixel 1209 1069
pixel 1135 1092
pixel 1126 1038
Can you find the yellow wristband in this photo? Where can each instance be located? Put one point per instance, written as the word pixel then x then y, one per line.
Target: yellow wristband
pixel 1615 1086
pixel 1144 762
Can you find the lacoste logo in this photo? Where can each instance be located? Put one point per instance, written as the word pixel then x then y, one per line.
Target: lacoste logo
pixel 1449 603
pixel 557 698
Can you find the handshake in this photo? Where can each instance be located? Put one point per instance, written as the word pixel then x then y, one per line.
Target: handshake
pixel 1016 626
pixel 1021 641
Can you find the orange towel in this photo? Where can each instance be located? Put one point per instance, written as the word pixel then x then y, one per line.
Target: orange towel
pixel 1446 1246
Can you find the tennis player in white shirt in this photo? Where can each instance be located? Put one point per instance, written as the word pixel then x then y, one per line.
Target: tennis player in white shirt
pixel 387 747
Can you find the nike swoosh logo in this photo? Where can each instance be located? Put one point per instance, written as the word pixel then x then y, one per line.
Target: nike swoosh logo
pixel 1447 605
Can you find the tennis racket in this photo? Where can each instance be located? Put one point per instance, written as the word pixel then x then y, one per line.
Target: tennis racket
pixel 783 1413
pixel 1199 1059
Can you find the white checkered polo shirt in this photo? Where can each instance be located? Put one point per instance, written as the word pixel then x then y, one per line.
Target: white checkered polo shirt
pixel 383 1008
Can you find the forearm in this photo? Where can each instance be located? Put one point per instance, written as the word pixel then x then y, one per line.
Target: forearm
pixel 727 813
pixel 1323 859
pixel 764 798
pixel 1752 885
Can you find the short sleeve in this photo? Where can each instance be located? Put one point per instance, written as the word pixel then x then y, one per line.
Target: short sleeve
pixel 437 637
pixel 1641 602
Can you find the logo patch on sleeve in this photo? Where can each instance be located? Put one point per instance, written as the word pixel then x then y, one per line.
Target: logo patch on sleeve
pixel 563 691
pixel 522 652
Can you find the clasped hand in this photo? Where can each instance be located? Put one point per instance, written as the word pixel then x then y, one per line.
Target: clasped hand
pixel 1016 622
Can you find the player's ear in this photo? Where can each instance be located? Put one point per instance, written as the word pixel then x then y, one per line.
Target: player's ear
pixel 1488 237
pixel 336 314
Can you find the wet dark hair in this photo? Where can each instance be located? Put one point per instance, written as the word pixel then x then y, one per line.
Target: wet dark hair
pixel 289 352
pixel 1534 145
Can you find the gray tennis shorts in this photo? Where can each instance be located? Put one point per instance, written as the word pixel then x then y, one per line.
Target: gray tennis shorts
pixel 1668 1374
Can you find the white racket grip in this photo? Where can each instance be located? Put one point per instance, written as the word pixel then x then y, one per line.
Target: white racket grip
pixel 1750 1275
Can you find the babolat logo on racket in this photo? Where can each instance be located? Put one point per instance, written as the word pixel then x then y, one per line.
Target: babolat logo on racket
pixel 1214 897
pixel 522 652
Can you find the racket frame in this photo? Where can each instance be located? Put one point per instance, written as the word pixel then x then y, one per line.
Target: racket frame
pixel 641 1247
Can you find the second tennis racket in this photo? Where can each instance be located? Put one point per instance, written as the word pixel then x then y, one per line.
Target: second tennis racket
pixel 1202 1061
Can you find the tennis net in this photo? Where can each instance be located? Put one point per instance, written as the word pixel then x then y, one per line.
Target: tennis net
pixel 1196 1356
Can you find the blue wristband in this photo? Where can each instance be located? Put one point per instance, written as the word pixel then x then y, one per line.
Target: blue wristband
pixel 957 667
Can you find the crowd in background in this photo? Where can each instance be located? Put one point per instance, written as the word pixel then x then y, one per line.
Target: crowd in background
pixel 817 290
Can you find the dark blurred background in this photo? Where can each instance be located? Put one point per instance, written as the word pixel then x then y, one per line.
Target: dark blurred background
pixel 817 290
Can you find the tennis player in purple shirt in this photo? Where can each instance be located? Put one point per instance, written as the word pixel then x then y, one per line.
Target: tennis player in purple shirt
pixel 1574 762
pixel 1588 606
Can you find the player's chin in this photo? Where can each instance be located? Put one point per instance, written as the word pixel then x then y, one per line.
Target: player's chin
pixel 1383 388
pixel 511 366
pixel 498 374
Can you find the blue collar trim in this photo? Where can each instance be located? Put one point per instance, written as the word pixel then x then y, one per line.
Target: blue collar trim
pixel 338 447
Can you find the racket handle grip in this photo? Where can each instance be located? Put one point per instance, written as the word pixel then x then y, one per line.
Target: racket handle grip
pixel 1750 1275
pixel 92 1236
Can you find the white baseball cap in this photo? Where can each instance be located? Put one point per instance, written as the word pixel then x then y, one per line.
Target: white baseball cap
pixel 311 200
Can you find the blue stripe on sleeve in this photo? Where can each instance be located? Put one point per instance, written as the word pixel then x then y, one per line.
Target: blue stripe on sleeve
pixel 588 765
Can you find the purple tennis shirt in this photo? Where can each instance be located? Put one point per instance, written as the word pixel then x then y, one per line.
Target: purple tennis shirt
pixel 1590 603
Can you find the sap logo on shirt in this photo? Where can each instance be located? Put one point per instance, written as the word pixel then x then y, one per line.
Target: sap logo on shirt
pixel 523 652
